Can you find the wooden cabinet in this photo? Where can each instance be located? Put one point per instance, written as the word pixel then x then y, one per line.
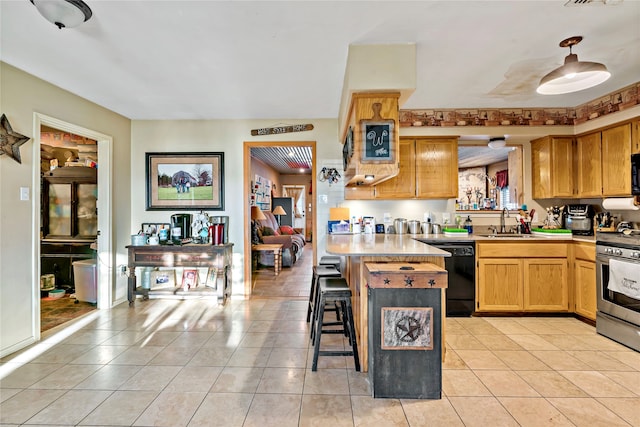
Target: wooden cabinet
pixel 546 286
pixel 428 170
pixel 552 167
pixel 436 168
pixel 635 137
pixel 584 279
pixel 403 186
pixel 589 169
pixel 512 277
pixel 616 161
pixel 500 284
pixel 69 203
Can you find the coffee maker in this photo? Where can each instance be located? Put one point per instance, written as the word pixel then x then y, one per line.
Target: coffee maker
pixel 579 219
pixel 219 229
pixel 180 226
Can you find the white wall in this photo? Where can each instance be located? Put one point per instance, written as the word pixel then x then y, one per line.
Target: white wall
pixel 227 136
pixel 21 95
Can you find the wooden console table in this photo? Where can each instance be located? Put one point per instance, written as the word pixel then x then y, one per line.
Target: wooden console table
pixel 218 258
pixel 277 254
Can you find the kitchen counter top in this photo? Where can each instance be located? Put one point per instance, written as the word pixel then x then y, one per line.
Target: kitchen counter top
pixel 382 242
pixel 380 245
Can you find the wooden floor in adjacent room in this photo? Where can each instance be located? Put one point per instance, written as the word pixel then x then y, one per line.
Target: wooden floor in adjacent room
pixel 292 282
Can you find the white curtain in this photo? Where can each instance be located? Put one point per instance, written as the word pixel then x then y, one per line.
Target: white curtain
pixel 294 192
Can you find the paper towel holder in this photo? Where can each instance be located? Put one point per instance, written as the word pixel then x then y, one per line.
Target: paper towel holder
pixel 622 203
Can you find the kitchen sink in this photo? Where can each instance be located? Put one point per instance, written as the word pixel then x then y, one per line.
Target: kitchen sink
pixel 505 235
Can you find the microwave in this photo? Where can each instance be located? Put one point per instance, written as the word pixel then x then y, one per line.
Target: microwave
pixel 635 174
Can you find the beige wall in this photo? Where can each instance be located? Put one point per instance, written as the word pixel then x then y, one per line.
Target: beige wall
pixel 21 95
pixel 227 136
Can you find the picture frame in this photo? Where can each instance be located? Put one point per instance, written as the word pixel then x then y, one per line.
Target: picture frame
pixel 407 328
pixel 189 278
pixel 150 228
pixel 184 181
pixel 378 141
pixel 165 278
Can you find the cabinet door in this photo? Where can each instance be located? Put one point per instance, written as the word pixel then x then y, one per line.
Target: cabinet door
pixel 499 284
pixel 589 176
pixel 616 161
pixel 545 284
pixel 403 185
pixel 585 288
pixel 541 168
pixel 436 168
pixel 362 192
pixel 562 167
pixel 635 137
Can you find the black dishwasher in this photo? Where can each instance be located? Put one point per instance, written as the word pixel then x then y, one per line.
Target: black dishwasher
pixel 461 266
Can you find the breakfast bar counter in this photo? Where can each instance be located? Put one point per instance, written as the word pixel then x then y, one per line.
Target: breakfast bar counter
pixel 360 249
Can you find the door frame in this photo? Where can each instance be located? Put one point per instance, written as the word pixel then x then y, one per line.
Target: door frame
pixel 104 203
pixel 248 145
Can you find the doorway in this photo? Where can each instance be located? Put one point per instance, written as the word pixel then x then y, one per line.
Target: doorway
pixel 248 181
pixel 101 230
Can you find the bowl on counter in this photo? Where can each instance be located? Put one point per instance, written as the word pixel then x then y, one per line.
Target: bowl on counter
pixel 56 293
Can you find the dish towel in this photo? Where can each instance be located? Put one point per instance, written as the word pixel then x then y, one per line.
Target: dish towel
pixel 624 278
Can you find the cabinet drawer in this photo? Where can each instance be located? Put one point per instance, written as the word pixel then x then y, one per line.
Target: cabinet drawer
pixel 585 251
pixel 521 250
pixel 395 275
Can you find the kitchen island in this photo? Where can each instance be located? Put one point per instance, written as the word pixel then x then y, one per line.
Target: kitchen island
pixel 359 249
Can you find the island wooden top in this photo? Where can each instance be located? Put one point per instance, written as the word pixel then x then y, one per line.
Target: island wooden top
pixel 380 245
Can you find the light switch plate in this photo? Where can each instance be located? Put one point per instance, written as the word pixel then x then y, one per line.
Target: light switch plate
pixel 24 193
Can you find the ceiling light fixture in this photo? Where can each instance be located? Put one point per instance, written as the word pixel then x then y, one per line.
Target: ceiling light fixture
pixel 574 75
pixel 63 13
pixel 497 142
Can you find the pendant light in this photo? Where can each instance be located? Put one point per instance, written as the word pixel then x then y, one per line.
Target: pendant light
pixel 574 75
pixel 63 13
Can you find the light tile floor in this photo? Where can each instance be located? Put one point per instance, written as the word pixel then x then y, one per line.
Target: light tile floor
pixel 184 363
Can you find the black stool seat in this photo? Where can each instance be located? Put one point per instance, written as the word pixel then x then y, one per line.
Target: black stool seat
pixel 330 260
pixel 335 290
pixel 319 271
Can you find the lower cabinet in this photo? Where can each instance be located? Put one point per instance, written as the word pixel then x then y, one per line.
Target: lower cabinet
pixel 522 283
pixel 584 279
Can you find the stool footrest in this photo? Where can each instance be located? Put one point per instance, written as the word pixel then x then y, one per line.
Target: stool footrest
pixel 335 353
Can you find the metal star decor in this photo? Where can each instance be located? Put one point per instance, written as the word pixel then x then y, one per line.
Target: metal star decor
pixel 10 141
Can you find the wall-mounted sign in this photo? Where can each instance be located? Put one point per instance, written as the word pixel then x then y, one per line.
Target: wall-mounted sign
pixel 281 129
pixel 377 141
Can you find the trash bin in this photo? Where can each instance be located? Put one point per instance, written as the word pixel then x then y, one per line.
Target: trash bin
pixel 85 273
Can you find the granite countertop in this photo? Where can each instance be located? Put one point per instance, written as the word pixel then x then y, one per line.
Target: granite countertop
pixel 380 245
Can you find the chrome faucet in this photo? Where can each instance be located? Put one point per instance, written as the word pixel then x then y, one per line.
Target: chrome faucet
pixel 503 229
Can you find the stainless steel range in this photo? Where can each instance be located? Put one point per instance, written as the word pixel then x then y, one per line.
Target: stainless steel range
pixel 618 287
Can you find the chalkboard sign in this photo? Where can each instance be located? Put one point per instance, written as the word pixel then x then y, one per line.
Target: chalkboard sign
pixel 377 141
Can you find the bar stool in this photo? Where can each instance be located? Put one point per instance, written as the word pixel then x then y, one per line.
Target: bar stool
pixel 331 260
pixel 318 272
pixel 334 290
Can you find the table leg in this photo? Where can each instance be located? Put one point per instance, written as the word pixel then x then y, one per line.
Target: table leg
pixel 131 286
pixel 277 260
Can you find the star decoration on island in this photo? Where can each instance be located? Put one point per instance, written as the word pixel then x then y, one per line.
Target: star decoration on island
pixel 10 141
pixel 408 329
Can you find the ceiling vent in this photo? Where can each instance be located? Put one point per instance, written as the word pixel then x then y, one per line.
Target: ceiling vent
pixel 571 3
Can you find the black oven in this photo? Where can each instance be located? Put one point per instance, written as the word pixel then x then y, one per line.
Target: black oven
pixel 618 300
pixel 635 174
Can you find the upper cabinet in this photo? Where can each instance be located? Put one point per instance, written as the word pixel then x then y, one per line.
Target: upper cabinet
pixel 436 168
pixel 596 164
pixel 371 140
pixel 589 165
pixel 428 170
pixel 552 167
pixel 616 161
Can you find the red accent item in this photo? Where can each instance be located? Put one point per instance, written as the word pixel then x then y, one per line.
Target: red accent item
pixel 502 179
pixel 217 234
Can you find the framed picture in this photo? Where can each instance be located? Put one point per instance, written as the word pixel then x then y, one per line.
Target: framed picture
pixel 189 278
pixel 377 141
pixel 163 279
pixel 185 181
pixel 152 228
pixel 212 277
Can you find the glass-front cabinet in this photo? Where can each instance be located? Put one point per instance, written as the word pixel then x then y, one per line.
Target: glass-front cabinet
pixel 69 203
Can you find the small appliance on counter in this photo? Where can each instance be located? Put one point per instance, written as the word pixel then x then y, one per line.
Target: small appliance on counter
pixel 180 226
pixel 579 219
pixel 219 230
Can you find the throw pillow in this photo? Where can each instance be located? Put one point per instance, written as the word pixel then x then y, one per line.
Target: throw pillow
pixel 285 229
pixel 268 231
